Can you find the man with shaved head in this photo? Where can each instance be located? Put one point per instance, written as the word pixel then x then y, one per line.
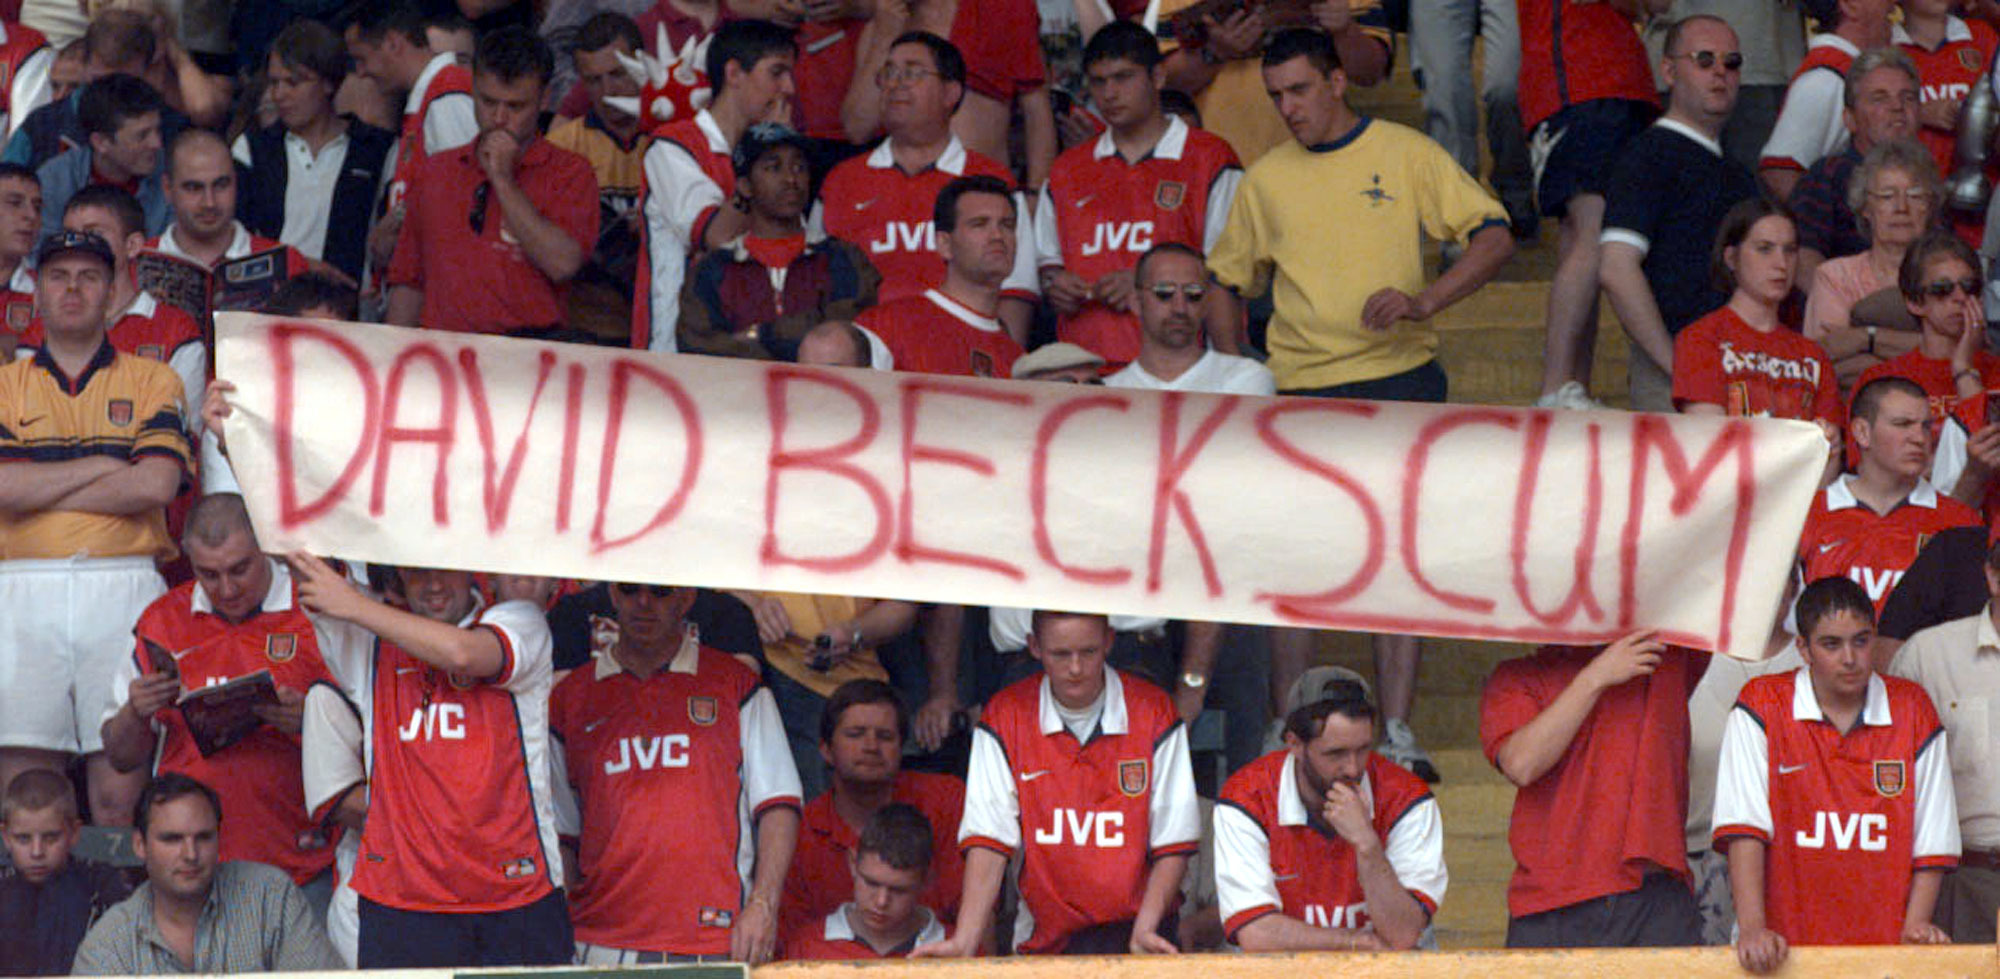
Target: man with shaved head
pixel 239 617
pixel 201 188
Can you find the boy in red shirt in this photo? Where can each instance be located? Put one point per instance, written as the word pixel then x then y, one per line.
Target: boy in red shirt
pixel 891 868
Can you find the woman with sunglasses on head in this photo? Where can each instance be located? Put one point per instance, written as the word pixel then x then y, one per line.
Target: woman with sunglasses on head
pixel 1741 359
pixel 1894 195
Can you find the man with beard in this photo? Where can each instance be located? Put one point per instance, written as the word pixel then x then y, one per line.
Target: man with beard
pixel 1324 844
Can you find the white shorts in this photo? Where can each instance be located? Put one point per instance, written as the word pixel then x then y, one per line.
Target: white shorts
pixel 65 625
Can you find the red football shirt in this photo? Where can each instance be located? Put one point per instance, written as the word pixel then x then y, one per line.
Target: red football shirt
pixel 819 881
pixel 478 280
pixel 1002 44
pixel 670 771
pixel 1100 213
pixel 687 175
pixel 1088 818
pixel 869 202
pixel 1575 51
pixel 258 778
pixel 449 80
pixel 1846 818
pixel 459 815
pixel 1933 374
pixel 1271 859
pixel 1844 537
pixel 824 70
pixel 935 334
pixel 1946 74
pixel 829 937
pixel 1721 360
pixel 17 302
pixel 1614 807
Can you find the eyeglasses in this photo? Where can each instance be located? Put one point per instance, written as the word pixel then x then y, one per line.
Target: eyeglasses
pixel 1943 287
pixel 898 74
pixel 1733 61
pixel 1164 291
pixel 1908 195
pixel 477 216
pixel 629 589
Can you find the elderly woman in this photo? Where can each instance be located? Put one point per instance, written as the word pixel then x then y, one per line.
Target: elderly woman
pixel 1894 194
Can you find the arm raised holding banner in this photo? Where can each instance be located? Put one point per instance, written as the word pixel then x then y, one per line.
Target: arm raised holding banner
pixel 474 652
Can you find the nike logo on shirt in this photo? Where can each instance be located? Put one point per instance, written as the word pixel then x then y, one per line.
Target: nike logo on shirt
pixel 1788 769
pixel 1031 776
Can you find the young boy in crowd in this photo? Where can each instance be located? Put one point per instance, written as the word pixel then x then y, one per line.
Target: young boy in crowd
pixel 47 899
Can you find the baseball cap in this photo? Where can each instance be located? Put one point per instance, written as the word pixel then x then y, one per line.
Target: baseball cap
pixel 762 138
pixel 1322 682
pixel 1054 357
pixel 81 242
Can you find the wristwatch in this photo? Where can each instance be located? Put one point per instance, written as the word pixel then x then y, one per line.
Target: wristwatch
pixel 1193 681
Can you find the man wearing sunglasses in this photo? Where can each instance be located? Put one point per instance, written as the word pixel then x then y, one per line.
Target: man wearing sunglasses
pixel 1584 732
pixel 1324 845
pixel 494 230
pixel 1869 524
pixel 686 796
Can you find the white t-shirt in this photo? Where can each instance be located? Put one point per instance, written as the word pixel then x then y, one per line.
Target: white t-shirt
pixel 1214 373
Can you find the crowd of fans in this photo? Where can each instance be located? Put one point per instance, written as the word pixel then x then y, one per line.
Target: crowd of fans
pixel 437 768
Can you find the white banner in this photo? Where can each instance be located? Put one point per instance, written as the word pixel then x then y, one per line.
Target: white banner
pixel 399 446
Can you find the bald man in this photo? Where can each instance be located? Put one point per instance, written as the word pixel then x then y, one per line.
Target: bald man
pixel 201 189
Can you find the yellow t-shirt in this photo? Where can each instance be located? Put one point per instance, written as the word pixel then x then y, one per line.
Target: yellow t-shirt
pixel 812 615
pixel 1326 228
pixel 120 406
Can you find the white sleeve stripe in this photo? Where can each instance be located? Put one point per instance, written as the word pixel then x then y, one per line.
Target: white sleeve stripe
pixel 1414 847
pixel 1625 236
pixel 1221 194
pixel 1743 777
pixel 1173 817
pixel 992 809
pixel 1243 877
pixel 1936 805
pixel 769 773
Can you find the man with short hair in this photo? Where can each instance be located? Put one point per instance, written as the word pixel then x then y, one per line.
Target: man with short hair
pixel 458 861
pixel 1147 180
pixel 1171 284
pixel 116 42
pixel 1577 729
pixel 954 328
pixel 611 140
pixel 495 229
pixel 49 896
pixel 121 120
pixel 196 914
pixel 1869 524
pixel 887 916
pixel 1833 800
pixel 201 186
pixel 1879 98
pixel 389 44
pixel 312 176
pixel 690 202
pixel 673 750
pixel 1810 124
pixel 94 446
pixel 1325 845
pixel 883 201
pixel 862 731
pixel 1665 200
pixel 1083 771
pixel 1958 665
pixel 236 619
pixel 20 226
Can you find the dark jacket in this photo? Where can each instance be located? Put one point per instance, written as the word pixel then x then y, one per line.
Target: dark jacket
pixel 261 198
pixel 728 292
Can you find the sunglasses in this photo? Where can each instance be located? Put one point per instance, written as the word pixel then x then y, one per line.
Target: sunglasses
pixel 1733 61
pixel 1164 291
pixel 1944 287
pixel 477 216
pixel 629 589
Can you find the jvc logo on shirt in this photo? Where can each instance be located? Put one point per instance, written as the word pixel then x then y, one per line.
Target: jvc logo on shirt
pixel 437 722
pixel 904 236
pixel 1105 830
pixel 1842 831
pixel 1349 916
pixel 1131 236
pixel 1877 583
pixel 668 751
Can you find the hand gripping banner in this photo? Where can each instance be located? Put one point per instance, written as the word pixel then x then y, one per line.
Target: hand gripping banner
pixel 376 443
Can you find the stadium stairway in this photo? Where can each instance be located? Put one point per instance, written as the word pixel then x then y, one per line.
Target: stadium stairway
pixel 1492 351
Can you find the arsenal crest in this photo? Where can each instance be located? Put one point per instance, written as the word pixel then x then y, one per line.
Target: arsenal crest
pixel 1969 58
pixel 119 412
pixel 701 710
pixel 1132 777
pixel 1168 194
pixel 461 682
pixel 982 364
pixel 152 351
pixel 280 647
pixel 1889 778
pixel 18 316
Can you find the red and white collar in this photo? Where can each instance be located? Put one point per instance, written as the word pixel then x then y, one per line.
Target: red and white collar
pixel 1874 709
pixel 278 598
pixel 1171 144
pixel 239 243
pixel 438 63
pixel 1955 32
pixel 963 313
pixel 1292 809
pixel 1114 720
pixel 951 161
pixel 1840 495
